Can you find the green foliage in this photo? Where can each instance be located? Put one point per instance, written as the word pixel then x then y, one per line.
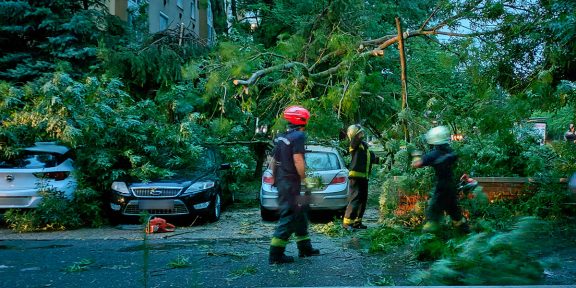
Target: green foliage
pixel 504 256
pixel 383 281
pixel 87 204
pixel 54 213
pixel 114 136
pixel 475 203
pixel 565 162
pixel 173 98
pixel 180 262
pixel 428 246
pixel 151 67
pixel 504 153
pixel 242 161
pixel 388 199
pixel 330 229
pixel 409 185
pixel 79 266
pixel 40 37
pixel 244 271
pixel 386 238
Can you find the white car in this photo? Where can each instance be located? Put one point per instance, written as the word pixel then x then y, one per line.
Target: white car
pixel 331 195
pixel 43 166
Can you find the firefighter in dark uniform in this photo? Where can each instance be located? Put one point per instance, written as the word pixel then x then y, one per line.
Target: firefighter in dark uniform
pixel 444 198
pixel 570 135
pixel 288 169
pixel 360 167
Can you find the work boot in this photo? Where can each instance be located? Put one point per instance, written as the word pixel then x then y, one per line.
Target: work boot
pixel 277 256
pixel 348 228
pixel 347 224
pixel 305 249
pixel 430 227
pixel 359 226
pixel 462 225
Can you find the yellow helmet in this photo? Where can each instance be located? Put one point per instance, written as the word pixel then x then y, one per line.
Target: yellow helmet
pixel 438 135
pixel 353 131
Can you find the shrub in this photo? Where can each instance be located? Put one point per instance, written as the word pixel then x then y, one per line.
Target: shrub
pixel 504 256
pixel 55 212
pixel 386 238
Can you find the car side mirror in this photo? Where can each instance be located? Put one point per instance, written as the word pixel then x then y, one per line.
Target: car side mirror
pixel 225 166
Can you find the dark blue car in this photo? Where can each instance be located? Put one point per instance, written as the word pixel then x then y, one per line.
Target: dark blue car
pixel 187 193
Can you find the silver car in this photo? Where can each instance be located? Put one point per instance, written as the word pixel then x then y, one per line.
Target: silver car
pixel 43 166
pixel 331 194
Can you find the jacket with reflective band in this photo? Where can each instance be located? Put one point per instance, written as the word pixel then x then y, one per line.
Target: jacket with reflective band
pixel 362 160
pixel 286 145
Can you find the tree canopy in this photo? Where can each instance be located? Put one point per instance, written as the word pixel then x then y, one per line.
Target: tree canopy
pixel 40 37
pixel 139 105
pixel 460 54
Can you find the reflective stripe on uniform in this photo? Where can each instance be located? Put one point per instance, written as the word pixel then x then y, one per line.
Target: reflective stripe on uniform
pixel 302 238
pixel 367 161
pixel 277 242
pixel 359 174
pixel 283 139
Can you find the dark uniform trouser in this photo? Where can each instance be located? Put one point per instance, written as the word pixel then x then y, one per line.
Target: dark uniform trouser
pixel 444 198
pixel 358 198
pixel 293 214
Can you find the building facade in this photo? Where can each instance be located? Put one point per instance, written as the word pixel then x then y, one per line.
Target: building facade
pixel 192 18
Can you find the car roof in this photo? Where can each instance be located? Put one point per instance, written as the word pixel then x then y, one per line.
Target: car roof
pixel 50 147
pixel 319 148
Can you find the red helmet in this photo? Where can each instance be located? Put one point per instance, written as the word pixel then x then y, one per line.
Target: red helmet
pixel 297 115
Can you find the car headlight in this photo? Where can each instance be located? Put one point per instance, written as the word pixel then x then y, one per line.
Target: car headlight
pixel 121 188
pixel 199 187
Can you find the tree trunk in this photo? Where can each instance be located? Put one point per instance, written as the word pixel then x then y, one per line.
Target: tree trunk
pixel 403 77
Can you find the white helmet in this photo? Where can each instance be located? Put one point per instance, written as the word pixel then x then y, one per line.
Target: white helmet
pixel 438 135
pixel 354 130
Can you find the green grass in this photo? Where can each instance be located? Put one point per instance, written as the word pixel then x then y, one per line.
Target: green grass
pixel 386 238
pixel 330 229
pixel 244 271
pixel 79 266
pixel 179 262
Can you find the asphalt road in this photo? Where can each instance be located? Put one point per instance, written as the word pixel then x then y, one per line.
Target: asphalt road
pixel 230 253
pixel 133 263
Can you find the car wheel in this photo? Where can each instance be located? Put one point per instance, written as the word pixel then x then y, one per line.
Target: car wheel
pixel 215 208
pixel 115 218
pixel 268 215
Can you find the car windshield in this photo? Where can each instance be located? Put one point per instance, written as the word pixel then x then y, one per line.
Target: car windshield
pixel 206 162
pixel 31 160
pixel 322 161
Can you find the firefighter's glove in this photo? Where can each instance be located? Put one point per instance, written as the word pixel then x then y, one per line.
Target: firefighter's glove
pixel 416 156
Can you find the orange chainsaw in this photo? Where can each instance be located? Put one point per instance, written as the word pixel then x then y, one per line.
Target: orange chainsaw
pixel 159 225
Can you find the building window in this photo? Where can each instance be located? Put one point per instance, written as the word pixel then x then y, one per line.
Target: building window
pixel 163 21
pixel 193 9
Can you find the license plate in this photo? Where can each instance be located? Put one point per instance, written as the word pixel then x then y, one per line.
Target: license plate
pixel 156 204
